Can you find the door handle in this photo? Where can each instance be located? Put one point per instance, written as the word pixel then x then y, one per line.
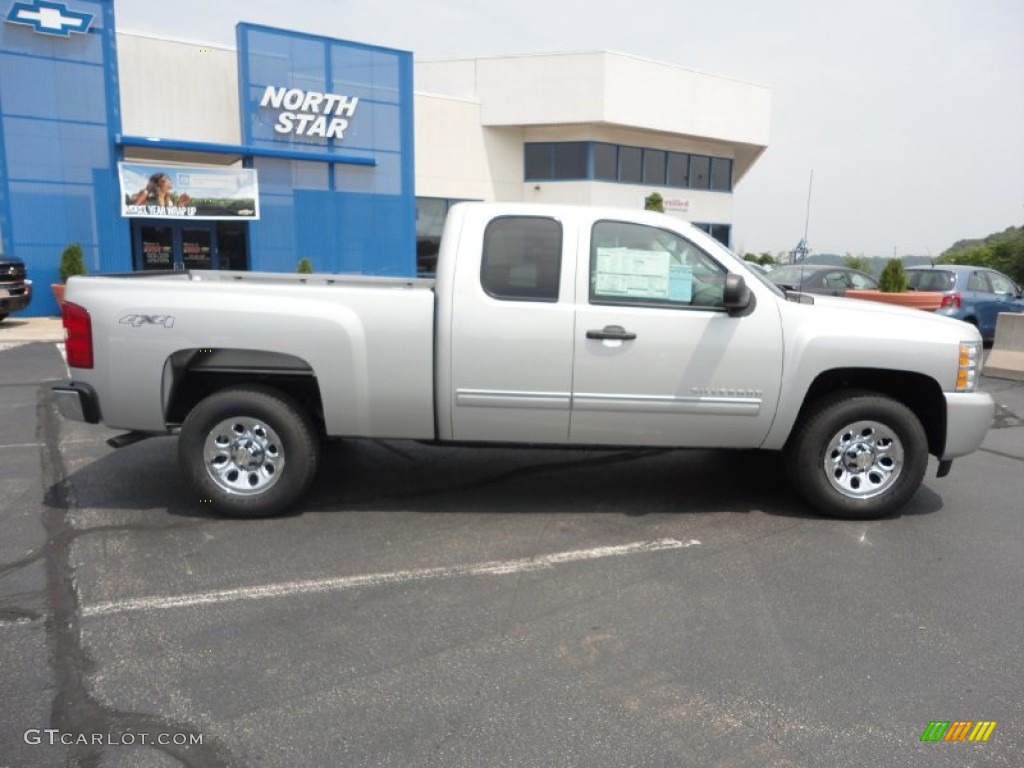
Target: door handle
pixel 616 332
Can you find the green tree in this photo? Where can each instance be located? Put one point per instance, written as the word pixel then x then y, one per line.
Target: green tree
pixel 305 267
pixel 893 278
pixel 654 202
pixel 863 263
pixel 766 259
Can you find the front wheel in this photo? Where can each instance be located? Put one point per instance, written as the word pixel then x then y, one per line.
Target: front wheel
pixel 858 455
pixel 248 451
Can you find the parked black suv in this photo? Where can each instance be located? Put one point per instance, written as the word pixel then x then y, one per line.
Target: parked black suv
pixel 15 290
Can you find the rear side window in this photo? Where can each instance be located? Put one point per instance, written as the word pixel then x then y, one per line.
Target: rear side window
pixel 978 282
pixel 522 258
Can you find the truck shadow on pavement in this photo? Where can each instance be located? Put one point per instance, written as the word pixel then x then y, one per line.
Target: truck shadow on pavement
pixel 380 475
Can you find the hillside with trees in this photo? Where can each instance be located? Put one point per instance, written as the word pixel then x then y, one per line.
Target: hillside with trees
pixel 1002 251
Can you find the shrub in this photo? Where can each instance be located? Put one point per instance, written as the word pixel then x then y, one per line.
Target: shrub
pixel 305 267
pixel 72 262
pixel 893 278
pixel 654 202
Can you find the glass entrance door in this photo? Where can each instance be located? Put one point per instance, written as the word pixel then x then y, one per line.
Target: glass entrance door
pixel 174 245
pixel 197 247
pixel 156 247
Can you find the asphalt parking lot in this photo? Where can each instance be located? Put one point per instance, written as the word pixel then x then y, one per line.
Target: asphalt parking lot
pixel 488 607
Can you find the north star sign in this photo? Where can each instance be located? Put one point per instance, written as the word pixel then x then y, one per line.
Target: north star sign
pixel 310 113
pixel 50 18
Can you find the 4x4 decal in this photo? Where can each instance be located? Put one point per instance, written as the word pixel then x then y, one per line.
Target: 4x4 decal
pixel 135 321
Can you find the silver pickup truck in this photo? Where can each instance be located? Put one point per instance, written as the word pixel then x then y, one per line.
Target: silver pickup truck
pixel 544 326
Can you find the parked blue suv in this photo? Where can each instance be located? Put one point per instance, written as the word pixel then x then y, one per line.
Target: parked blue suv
pixel 973 294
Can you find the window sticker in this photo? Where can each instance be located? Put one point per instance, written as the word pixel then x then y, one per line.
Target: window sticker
pixel 639 274
pixel 680 283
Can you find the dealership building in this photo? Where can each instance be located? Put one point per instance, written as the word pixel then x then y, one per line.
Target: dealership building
pixel 164 154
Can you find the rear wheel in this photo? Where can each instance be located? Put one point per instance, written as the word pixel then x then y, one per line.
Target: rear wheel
pixel 249 451
pixel 858 455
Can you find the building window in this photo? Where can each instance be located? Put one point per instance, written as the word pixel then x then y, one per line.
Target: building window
pixel 654 167
pixel 678 170
pixel 721 174
pixel 431 213
pixel 700 172
pixel 522 258
pixel 570 159
pixel 631 165
pixel 721 232
pixel 601 161
pixel 538 162
pixel 606 162
pixel 562 161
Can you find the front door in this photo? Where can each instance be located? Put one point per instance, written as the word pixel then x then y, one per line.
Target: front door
pixel 175 245
pixel 658 360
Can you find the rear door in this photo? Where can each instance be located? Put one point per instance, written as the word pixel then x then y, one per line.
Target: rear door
pixel 658 359
pixel 512 331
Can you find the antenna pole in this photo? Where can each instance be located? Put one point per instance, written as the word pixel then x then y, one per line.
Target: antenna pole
pixel 807 221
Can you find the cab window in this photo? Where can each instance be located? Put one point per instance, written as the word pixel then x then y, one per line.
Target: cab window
pixel 636 264
pixel 522 258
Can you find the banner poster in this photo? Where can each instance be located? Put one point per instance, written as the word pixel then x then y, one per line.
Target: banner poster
pixel 179 192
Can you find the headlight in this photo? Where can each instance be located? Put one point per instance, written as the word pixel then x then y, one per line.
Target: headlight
pixel 969 368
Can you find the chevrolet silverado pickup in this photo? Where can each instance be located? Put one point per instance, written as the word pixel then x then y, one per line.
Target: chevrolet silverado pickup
pixel 544 326
pixel 15 289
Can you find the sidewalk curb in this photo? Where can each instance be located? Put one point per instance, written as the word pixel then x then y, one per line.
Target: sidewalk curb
pixel 22 330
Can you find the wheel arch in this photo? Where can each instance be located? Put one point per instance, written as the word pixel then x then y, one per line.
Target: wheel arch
pixel 918 392
pixel 190 375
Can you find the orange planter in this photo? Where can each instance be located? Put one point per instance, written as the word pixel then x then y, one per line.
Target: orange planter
pixel 926 300
pixel 58 294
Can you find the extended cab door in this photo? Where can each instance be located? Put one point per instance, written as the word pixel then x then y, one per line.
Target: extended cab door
pixel 510 330
pixel 658 360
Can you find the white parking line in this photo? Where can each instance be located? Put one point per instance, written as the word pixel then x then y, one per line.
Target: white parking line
pixel 314 586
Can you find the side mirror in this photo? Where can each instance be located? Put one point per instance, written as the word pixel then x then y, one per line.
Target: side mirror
pixel 736 297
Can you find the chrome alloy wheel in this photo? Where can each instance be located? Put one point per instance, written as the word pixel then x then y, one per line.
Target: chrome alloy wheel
pixel 243 456
pixel 863 459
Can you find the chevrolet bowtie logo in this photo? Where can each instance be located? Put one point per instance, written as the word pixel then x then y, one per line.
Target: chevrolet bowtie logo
pixel 49 18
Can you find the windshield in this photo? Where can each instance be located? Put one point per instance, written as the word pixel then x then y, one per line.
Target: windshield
pixel 930 279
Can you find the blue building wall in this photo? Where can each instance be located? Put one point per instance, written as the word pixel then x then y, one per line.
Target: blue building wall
pixel 59 113
pixel 349 207
pixel 346 202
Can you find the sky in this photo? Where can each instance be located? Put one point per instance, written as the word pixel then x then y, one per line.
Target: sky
pixel 909 113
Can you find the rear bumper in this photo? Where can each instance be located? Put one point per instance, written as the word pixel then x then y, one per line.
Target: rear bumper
pixel 77 402
pixel 968 417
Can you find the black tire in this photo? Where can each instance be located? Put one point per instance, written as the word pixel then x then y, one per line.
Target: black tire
pixel 857 455
pixel 248 451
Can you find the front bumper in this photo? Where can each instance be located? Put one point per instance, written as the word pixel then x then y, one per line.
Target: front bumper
pixel 968 417
pixel 77 402
pixel 13 302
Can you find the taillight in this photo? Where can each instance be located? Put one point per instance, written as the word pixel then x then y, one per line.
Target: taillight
pixel 952 301
pixel 77 335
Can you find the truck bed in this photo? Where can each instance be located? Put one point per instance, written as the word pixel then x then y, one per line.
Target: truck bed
pixel 368 341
